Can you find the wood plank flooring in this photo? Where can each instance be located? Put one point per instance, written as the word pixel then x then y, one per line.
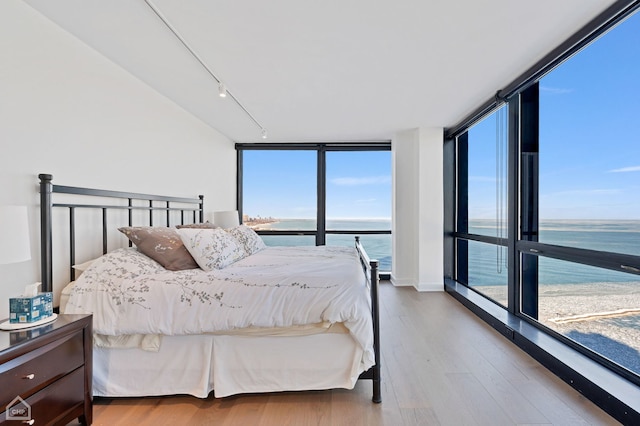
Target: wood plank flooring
pixel 441 365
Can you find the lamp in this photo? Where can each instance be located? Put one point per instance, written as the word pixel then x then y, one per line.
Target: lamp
pixel 226 219
pixel 14 228
pixel 14 248
pixel 222 90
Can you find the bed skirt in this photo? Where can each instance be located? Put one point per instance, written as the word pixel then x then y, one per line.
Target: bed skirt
pixel 228 365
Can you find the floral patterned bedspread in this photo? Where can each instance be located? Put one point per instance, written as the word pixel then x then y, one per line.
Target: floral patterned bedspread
pixel 129 293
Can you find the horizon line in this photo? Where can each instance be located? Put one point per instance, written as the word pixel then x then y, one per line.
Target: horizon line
pixel 313 218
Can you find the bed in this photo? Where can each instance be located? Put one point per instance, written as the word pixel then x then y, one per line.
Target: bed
pixel 273 319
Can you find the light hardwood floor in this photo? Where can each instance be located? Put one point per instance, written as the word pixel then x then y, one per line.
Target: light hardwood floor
pixel 441 366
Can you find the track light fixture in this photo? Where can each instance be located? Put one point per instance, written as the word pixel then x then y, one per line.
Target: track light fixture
pixel 223 92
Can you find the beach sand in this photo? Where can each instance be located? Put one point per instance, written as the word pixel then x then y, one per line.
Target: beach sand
pixel 602 316
pixel 261 224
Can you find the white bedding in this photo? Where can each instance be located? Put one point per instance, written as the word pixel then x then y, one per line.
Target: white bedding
pixel 128 293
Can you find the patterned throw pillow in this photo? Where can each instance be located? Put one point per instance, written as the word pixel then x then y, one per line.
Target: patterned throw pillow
pixel 162 245
pixel 122 263
pixel 251 241
pixel 211 248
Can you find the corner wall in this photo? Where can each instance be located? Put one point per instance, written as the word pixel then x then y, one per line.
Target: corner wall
pixel 68 111
pixel 418 209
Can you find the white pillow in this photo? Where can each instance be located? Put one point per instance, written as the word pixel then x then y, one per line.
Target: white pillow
pixel 248 238
pixel 81 267
pixel 211 248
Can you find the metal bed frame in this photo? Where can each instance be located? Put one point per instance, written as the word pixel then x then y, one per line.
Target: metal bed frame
pixel 193 207
pixel 46 206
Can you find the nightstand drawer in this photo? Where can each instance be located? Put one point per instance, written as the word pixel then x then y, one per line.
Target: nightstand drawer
pixel 28 373
pixel 55 402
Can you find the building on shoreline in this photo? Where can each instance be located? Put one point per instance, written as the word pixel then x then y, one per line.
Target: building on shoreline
pixel 257 222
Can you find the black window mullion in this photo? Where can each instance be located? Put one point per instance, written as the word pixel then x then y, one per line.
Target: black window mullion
pixel 614 261
pixel 462 219
pixel 322 197
pixel 529 175
pixel 239 181
pixel 356 231
pixel 449 184
pixel 488 239
pixel 513 167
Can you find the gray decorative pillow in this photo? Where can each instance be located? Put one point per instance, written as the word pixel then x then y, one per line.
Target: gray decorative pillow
pixel 162 245
pixel 251 241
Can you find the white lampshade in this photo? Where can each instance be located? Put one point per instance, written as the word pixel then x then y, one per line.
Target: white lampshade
pixel 226 219
pixel 14 229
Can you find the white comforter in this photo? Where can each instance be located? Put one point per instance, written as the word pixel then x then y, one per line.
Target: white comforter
pixel 128 293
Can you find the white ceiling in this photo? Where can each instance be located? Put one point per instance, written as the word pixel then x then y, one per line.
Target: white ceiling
pixel 333 70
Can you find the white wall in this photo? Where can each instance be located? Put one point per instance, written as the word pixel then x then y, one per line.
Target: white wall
pixel 418 209
pixel 68 111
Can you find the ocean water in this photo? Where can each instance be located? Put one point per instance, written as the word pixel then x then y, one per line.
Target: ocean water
pixel 488 266
pixel 377 246
pixel 487 262
pixel 568 289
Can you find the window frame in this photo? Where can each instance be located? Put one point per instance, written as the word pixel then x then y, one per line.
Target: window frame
pixel 522 282
pixel 321 149
pixel 609 389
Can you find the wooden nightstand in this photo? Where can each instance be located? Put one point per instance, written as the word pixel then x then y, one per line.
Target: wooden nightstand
pixel 49 368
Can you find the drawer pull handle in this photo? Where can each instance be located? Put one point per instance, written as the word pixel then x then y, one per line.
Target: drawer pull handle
pixel 28 422
pixel 29 377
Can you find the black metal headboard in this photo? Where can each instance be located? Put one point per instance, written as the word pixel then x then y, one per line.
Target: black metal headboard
pixel 190 206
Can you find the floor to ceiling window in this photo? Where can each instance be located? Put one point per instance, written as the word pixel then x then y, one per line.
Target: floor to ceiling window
pixel 279 192
pixel 484 218
pixel 589 178
pixel 358 197
pixel 315 194
pixel 559 244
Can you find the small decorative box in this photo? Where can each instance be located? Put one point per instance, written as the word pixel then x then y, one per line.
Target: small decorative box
pixel 30 309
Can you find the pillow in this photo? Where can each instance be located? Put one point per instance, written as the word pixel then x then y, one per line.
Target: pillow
pixel 211 248
pixel 206 225
pixel 251 241
pixel 81 267
pixel 122 263
pixel 162 245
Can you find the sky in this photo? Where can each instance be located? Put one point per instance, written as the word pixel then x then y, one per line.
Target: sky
pixel 589 151
pixel 589 140
pixel 282 184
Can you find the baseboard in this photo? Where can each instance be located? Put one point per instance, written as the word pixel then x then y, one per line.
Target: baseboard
pixel 407 282
pixel 426 287
pixel 402 282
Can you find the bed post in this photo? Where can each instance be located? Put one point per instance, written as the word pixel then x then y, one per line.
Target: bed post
pixel 375 313
pixel 374 372
pixel 201 208
pixel 46 187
